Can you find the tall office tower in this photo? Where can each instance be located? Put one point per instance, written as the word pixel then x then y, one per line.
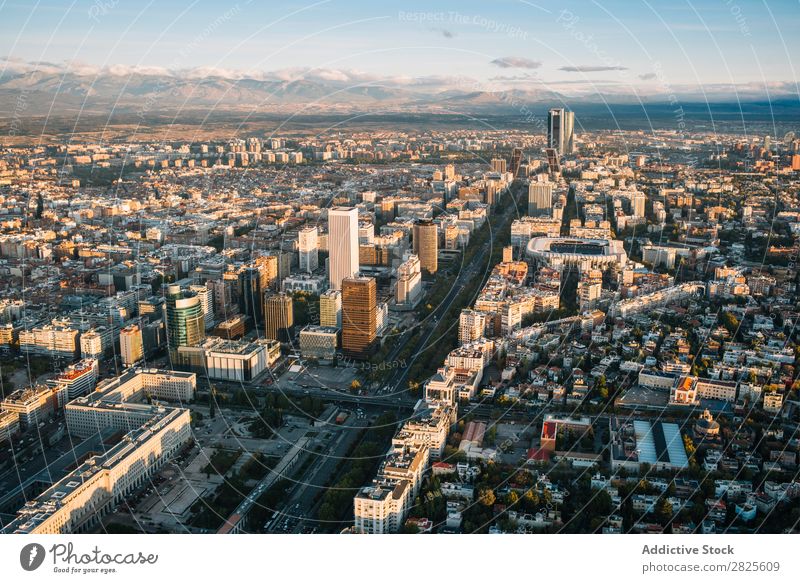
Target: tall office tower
pixel 409 282
pixel 508 253
pixel 638 203
pixel 342 245
pixel 516 160
pixel 330 309
pixel 426 245
pixel 270 266
pixel 449 172
pixel 359 316
pixel 131 344
pixel 498 165
pixel 206 295
pixel 560 131
pixel 253 282
pixel 185 322
pixel 308 249
pixel 540 198
pixel 278 317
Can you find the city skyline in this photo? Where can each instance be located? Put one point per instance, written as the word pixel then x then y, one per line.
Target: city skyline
pixel 445 268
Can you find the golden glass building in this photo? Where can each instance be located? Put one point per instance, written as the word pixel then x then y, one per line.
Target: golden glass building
pixel 278 317
pixel 426 245
pixel 359 316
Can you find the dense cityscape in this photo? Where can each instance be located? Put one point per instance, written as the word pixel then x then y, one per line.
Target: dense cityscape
pixel 535 329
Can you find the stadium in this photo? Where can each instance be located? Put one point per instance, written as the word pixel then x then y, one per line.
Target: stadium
pixel 575 252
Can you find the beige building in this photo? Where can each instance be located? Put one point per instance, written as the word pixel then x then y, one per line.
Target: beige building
pixel 131 345
pixel 77 502
pixel 471 325
pixel 330 309
pixel 121 402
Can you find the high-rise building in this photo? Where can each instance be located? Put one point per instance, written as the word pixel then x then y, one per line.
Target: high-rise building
pixel 560 130
pixel 254 281
pixel 508 253
pixel 278 317
pixel 426 245
pixel 359 315
pixel 638 204
pixel 206 295
pixel 498 165
pixel 308 249
pixel 540 198
pixel 269 264
pixel 185 321
pixel 342 245
pixel 131 344
pixel 516 160
pixel 330 309
pixel 409 282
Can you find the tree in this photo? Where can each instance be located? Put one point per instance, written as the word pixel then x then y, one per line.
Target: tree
pixel 354 386
pixel 729 321
pixel 663 511
pixel 602 387
pixel 486 496
pixel 327 513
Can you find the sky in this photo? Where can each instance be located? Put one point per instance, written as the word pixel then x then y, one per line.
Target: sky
pixel 657 46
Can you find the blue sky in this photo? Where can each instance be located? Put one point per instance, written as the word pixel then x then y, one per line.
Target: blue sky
pixel 511 42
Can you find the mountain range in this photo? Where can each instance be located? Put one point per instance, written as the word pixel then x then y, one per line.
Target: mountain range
pixel 50 90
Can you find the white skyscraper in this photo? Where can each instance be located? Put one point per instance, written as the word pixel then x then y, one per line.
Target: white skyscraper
pixel 308 249
pixel 638 202
pixel 206 296
pixel 342 244
pixel 560 130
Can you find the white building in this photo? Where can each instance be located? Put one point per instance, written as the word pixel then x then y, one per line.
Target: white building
pixel 95 342
pixel 319 342
pixel 120 402
pixel 76 380
pixel 342 245
pixel 471 326
pixel 237 360
pixel 308 249
pixel 206 296
pixel 409 282
pixel 76 502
